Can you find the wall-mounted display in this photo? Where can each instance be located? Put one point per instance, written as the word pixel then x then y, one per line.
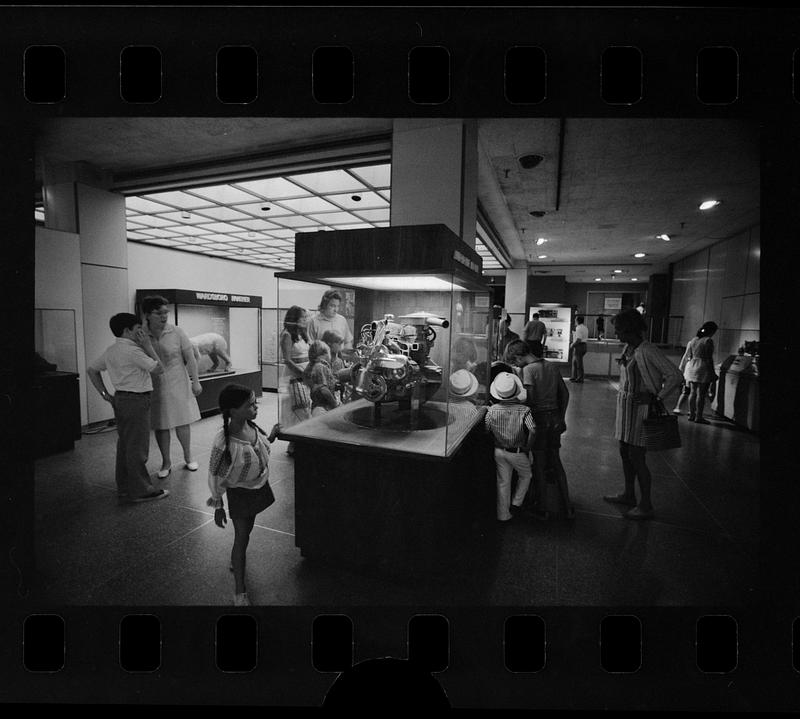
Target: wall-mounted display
pixel 558 322
pixel 225 332
pixel 408 393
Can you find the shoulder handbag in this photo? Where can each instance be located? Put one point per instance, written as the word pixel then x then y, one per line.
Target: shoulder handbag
pixel 301 395
pixel 660 428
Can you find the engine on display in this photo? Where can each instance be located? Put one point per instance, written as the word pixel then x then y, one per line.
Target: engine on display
pixel 392 359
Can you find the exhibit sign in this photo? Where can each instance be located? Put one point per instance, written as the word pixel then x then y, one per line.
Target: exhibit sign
pixel 558 321
pixel 613 303
pixel 204 297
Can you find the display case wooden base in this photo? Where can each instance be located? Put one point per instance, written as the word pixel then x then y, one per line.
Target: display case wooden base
pixel 391 513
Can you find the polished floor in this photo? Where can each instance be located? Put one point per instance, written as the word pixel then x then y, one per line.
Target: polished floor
pixel 700 550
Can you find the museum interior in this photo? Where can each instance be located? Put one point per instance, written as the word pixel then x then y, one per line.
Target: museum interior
pixel 440 237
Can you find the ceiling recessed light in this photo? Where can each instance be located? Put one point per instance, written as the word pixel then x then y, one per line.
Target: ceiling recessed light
pixel 663 237
pixel 537 213
pixel 634 279
pixel 617 272
pixel 185 215
pixel 355 198
pixel 266 208
pixel 542 257
pixel 598 279
pixel 541 241
pixel 639 254
pixel 708 204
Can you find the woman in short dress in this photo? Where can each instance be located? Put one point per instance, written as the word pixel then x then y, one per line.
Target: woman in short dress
pixel 697 365
pixel 644 371
pixel 294 350
pixel 173 403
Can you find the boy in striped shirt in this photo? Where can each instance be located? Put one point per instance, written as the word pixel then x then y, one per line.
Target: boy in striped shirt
pixel 511 424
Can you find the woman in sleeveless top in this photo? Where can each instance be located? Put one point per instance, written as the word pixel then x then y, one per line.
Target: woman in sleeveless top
pixel 697 365
pixel 645 371
pixel 294 350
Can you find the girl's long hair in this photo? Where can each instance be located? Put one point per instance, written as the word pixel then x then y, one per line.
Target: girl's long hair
pixel 293 315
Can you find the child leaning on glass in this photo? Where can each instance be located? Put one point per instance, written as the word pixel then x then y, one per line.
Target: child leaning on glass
pixel 339 365
pixel 320 378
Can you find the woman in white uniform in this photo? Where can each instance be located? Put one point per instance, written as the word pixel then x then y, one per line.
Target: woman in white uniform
pixel 173 403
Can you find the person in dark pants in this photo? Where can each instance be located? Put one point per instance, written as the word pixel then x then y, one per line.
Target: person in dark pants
pixel 547 396
pixel 129 362
pixel 534 334
pixel 578 348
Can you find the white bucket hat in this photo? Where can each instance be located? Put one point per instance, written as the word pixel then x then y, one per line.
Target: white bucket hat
pixel 463 384
pixel 507 386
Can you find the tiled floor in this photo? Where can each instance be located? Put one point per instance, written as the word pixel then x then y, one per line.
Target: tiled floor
pixel 700 550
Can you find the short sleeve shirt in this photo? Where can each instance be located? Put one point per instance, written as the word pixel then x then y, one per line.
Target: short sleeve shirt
pixel 128 366
pixel 544 379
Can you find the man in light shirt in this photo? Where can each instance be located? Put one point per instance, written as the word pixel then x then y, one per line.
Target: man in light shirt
pixel 578 347
pixel 130 362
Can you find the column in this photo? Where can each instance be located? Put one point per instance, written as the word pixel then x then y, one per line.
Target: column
pixel 435 174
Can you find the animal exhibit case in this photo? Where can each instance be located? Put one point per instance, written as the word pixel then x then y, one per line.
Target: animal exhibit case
pixel 225 332
pixel 404 440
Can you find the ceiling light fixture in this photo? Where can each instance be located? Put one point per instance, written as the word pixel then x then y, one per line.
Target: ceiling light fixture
pixel 634 279
pixel 542 257
pixel 663 237
pixel 355 198
pixel 266 208
pixel 639 254
pixel 185 215
pixel 541 241
pixel 537 213
pixel 528 162
pixel 598 279
pixel 708 204
pixel 617 272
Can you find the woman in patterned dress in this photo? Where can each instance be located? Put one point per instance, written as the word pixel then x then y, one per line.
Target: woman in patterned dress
pixel 644 371
pixel 174 403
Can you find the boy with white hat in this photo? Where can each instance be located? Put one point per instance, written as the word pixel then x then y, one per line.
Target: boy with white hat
pixel 511 424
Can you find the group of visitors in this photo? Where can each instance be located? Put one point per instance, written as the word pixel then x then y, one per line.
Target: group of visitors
pixel 529 414
pixel 153 370
pixel 311 348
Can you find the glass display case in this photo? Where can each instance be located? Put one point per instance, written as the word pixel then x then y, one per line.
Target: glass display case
pixel 417 371
pixel 392 473
pixel 56 389
pixel 55 340
pixel 225 332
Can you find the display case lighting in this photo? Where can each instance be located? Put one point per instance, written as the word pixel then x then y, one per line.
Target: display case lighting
pixel 409 283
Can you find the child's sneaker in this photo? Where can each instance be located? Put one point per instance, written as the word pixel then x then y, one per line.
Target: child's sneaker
pixel 241 600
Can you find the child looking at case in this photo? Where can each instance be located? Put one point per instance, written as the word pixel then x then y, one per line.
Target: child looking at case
pixel 239 467
pixel 320 378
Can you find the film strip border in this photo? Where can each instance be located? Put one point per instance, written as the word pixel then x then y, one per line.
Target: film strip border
pixel 620 75
pixel 400 61
pixel 506 62
pixel 513 658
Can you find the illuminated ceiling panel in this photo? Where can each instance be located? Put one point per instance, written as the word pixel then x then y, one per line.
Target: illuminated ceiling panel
pixel 230 220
